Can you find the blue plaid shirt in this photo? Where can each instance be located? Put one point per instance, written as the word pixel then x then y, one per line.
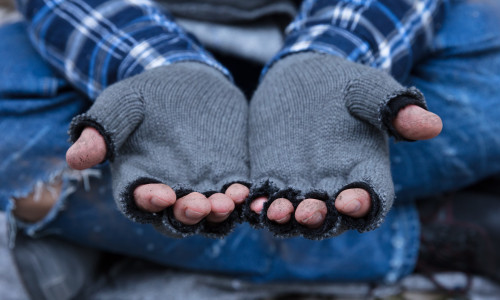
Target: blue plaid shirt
pixel 96 43
pixel 386 34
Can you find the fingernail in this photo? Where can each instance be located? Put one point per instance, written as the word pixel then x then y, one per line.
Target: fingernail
pixel 158 202
pixel 352 207
pixel 314 219
pixel 191 214
pixel 283 220
pixel 220 215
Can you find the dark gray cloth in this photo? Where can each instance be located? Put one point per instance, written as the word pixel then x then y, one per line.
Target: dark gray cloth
pixel 252 30
pixel 230 10
pixel 184 125
pixel 316 128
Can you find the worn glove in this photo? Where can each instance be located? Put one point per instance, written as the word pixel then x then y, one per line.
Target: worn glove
pixel 318 125
pixel 184 125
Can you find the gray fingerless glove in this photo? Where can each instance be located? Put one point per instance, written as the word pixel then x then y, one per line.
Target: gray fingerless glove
pixel 184 125
pixel 318 125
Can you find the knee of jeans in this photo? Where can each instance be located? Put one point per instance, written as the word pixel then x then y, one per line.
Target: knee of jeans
pixel 32 208
pixel 28 205
pixel 37 204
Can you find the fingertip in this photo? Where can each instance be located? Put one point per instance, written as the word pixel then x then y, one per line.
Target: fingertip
pixel 237 192
pixel 415 123
pixel 435 125
pixel 430 122
pixel 221 207
pixel 311 212
pixel 354 202
pixel 257 204
pixel 87 151
pixel 280 211
pixel 192 208
pixel 221 203
pixel 154 197
pixel 71 158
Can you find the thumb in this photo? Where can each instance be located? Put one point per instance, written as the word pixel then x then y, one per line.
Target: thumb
pixel 416 123
pixel 88 151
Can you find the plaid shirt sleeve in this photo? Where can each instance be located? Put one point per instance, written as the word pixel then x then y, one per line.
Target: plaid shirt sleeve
pixel 387 34
pixel 96 43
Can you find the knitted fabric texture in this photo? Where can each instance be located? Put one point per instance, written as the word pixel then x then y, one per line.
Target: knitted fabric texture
pixel 318 125
pixel 184 125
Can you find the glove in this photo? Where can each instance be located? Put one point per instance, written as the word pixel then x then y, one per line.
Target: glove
pixel 184 125
pixel 318 125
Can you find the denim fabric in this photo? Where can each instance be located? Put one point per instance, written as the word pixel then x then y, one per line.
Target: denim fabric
pixel 461 82
pixel 36 107
pixel 90 217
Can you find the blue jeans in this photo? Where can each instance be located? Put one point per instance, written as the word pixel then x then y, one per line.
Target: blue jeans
pixel 461 80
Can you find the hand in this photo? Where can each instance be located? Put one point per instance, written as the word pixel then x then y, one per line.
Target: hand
pixel 318 142
pixel 176 139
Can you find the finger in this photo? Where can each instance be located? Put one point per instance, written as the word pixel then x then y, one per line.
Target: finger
pixel 154 197
pixel 192 208
pixel 257 204
pixel 237 192
pixel 221 207
pixel 311 213
pixel 416 123
pixel 280 211
pixel 354 202
pixel 88 151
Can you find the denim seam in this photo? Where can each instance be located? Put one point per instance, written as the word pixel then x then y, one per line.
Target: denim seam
pixel 404 243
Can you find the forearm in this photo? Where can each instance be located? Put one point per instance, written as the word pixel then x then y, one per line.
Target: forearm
pixel 96 43
pixel 387 34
